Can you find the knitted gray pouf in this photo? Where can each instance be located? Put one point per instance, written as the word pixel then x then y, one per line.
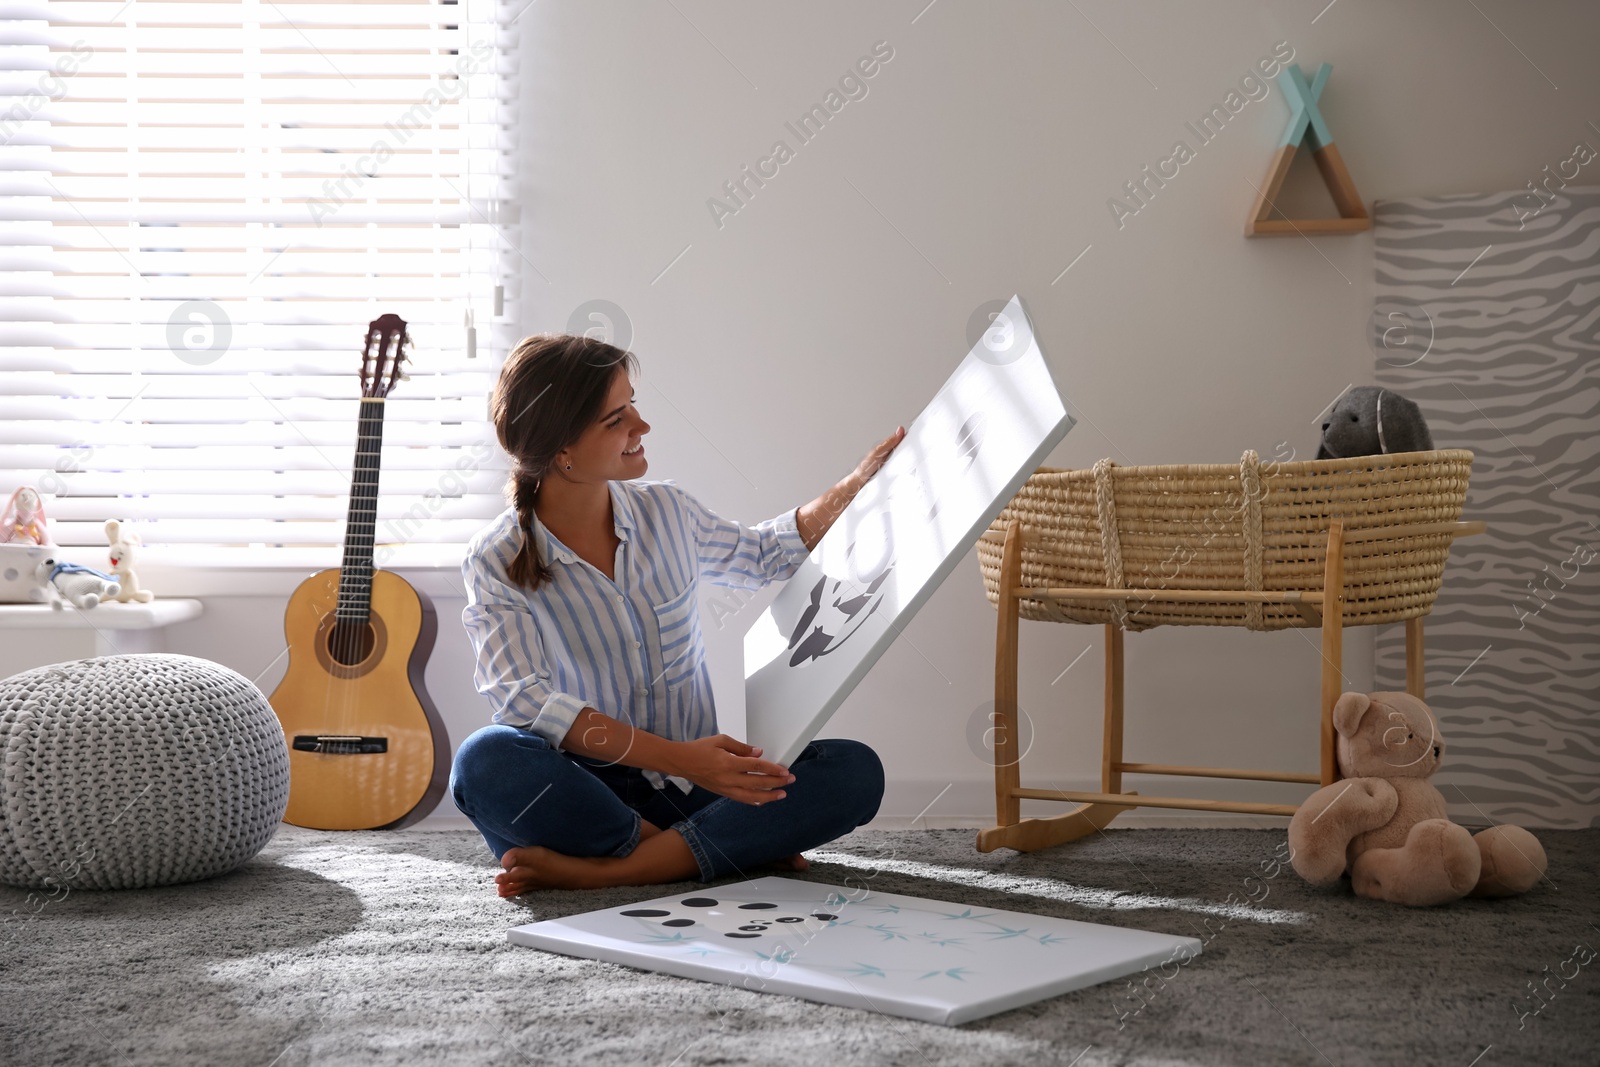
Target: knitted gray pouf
pixel 125 771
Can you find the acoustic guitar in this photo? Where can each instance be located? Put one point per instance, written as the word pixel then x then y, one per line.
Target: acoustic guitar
pixel 367 749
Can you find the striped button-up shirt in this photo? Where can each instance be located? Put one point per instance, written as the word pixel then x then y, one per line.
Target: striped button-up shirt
pixel 630 648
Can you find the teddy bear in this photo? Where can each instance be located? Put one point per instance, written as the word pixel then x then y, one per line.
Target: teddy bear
pixel 123 546
pixel 1372 421
pixel 1385 823
pixel 84 586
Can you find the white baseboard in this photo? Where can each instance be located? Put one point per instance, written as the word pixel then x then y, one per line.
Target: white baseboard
pixel 439 820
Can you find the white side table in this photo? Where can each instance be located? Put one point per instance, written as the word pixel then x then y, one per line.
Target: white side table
pixel 118 628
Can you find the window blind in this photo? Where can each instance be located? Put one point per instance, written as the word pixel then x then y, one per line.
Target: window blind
pixel 203 206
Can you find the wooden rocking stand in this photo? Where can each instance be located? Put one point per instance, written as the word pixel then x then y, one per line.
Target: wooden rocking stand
pixel 1325 607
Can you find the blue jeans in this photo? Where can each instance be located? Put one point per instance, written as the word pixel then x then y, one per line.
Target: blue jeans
pixel 518 791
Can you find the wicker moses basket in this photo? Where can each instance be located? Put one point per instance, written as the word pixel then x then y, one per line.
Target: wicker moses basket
pixel 1267 546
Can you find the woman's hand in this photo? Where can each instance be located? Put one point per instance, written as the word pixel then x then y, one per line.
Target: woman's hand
pixel 874 459
pixel 814 519
pixel 729 767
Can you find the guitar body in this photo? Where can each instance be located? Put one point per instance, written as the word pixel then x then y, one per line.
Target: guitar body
pixel 367 749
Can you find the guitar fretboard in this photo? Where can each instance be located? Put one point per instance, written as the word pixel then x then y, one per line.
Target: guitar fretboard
pixel 355 573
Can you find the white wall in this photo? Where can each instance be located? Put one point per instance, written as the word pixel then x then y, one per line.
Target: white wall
pixel 784 343
pixel 779 347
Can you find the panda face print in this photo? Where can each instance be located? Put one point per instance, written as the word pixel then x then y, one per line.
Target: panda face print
pixel 837 610
pixel 709 917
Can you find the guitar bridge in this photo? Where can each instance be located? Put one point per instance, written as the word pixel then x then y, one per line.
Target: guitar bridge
pixel 340 744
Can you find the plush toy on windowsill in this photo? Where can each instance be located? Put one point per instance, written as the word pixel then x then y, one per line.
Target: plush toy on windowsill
pixel 1372 421
pixel 124 545
pixel 23 521
pixel 83 586
pixel 1385 823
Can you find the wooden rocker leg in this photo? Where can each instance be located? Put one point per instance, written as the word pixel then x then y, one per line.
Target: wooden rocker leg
pixel 1111 750
pixel 1007 775
pixel 1332 644
pixel 1414 682
pixel 1029 835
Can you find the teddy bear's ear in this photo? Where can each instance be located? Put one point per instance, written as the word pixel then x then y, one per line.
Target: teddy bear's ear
pixel 1348 711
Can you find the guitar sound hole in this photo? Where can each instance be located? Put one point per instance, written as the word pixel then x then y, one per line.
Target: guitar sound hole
pixel 350 642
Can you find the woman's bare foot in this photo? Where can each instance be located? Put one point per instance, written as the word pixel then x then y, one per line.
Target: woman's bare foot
pixel 540 868
pixel 662 857
pixel 513 882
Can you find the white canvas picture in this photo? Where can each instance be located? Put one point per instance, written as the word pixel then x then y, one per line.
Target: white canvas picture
pixel 962 459
pixel 899 955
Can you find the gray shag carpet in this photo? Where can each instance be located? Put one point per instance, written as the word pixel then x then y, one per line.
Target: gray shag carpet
pixel 365 948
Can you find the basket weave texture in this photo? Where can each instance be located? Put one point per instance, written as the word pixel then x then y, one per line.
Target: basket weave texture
pixel 1247 526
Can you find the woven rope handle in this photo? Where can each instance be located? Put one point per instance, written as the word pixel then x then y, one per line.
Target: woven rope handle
pixel 1250 516
pixel 1110 543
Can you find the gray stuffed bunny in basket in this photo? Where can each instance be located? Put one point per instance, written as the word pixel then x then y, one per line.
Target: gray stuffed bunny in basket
pixel 1371 421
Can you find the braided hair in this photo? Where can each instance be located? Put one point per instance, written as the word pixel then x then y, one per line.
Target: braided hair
pixel 551 388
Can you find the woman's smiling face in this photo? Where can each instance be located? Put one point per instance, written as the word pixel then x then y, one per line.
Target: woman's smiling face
pixel 602 452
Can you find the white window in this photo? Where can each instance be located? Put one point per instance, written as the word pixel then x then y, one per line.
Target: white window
pixel 203 206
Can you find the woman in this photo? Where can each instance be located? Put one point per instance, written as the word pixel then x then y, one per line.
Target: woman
pixel 603 765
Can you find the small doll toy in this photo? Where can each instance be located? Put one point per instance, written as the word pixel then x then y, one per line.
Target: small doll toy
pixel 125 546
pixel 23 521
pixel 82 587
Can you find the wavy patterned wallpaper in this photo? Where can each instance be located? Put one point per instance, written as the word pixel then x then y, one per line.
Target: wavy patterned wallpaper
pixel 1487 313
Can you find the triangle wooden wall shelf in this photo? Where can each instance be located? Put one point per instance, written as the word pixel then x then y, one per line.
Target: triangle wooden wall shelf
pixel 1306 125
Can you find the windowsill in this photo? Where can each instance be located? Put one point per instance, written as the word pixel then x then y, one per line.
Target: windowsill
pixel 178 571
pixel 107 616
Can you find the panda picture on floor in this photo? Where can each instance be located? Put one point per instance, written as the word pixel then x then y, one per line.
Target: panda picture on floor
pixel 706 916
pixel 935 960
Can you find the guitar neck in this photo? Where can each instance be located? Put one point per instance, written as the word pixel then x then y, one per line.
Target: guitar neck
pixel 355 573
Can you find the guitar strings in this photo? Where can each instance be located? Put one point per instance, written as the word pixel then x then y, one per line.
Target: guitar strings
pixel 347 640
